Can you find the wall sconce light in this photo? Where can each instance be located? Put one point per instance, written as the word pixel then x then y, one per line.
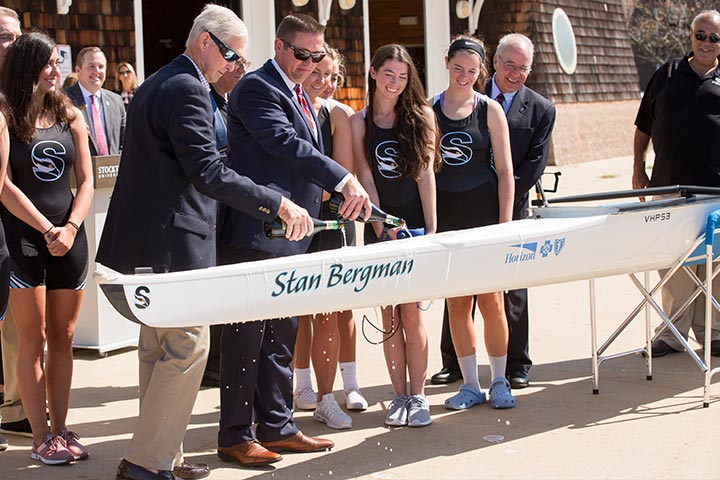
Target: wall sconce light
pixel 346 4
pixel 469 9
pixel 63 6
pixel 463 9
pixel 296 3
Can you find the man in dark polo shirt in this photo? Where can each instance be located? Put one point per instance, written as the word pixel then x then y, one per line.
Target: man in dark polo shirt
pixel 680 113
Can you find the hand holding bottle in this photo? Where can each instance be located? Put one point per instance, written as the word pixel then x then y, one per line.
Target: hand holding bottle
pixel 298 222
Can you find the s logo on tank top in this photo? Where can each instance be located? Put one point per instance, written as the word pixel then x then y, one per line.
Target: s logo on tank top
pixel 47 160
pixel 386 154
pixel 454 149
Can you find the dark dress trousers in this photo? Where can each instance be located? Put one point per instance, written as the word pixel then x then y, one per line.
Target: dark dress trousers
pixel 270 141
pixel 531 118
pixel 115 117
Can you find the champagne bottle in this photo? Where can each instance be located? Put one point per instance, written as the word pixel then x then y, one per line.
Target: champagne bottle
pixel 278 228
pixel 376 215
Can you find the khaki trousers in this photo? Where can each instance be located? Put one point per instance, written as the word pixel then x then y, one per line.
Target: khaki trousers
pixel 11 410
pixel 172 362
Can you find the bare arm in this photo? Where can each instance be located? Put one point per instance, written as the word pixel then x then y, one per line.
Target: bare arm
pixel 640 146
pixel 426 184
pixel 362 167
pixel 500 137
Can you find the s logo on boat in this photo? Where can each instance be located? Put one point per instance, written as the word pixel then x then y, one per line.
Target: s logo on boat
pixel 141 297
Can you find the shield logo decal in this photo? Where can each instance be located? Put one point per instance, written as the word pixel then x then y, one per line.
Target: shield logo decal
pixel 559 244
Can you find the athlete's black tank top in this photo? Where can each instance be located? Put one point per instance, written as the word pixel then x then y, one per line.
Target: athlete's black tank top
pixel 465 148
pixel 393 189
pixel 41 169
pixel 323 117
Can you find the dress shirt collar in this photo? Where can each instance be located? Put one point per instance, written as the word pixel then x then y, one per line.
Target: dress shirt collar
pixel 203 80
pixel 495 91
pixel 290 84
pixel 86 95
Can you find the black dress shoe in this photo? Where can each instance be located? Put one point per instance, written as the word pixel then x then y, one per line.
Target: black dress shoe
pixel 660 348
pixel 130 471
pixel 519 379
pixel 715 348
pixel 446 376
pixel 191 471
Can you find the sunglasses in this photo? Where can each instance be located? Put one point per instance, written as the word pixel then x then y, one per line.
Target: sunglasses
pixel 302 54
pixel 712 38
pixel 228 54
pixel 124 72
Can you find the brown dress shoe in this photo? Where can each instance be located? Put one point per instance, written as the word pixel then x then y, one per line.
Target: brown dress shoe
pixel 249 453
pixel 191 471
pixel 299 443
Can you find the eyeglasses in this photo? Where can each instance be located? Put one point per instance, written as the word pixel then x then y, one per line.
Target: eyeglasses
pixel 228 54
pixel 242 62
pixel 514 68
pixel 124 72
pixel 302 54
pixel 712 38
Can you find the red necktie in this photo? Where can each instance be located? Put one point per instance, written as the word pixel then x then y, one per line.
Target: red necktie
pixel 305 107
pixel 98 128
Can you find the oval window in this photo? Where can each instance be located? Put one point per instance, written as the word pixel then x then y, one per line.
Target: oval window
pixel 564 41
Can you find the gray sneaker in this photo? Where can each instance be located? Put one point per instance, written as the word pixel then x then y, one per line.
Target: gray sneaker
pixel 418 411
pixel 397 412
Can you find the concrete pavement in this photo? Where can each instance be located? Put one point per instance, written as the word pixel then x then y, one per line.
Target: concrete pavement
pixel 632 429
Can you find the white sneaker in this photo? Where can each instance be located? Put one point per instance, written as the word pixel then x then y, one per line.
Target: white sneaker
pixel 418 411
pixel 397 412
pixel 354 400
pixel 329 412
pixel 305 399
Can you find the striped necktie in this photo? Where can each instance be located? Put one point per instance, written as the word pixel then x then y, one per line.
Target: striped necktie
pixel 305 108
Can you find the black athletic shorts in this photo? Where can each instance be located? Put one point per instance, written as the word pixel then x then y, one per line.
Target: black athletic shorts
pixel 33 266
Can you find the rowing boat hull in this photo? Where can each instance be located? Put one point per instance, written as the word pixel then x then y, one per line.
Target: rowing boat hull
pixel 559 244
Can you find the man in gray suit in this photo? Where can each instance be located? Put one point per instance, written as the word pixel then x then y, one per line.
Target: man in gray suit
pixel 103 110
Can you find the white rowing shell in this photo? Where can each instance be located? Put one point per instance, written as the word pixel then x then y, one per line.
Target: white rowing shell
pixel 560 244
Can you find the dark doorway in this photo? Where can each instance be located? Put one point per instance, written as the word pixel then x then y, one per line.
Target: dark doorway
pixel 166 26
pixel 399 21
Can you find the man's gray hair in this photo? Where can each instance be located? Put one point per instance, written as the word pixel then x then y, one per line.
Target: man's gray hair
pixel 706 15
pixel 517 40
pixel 9 12
pixel 221 21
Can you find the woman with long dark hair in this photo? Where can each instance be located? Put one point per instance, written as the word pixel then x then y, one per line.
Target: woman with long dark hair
pixel 477 174
pixel 395 153
pixel 45 236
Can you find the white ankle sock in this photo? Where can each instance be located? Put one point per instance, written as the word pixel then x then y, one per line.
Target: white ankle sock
pixel 497 366
pixel 468 367
pixel 303 378
pixel 349 378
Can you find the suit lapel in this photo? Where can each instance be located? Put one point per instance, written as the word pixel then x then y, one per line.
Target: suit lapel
pixel 519 106
pixel 272 74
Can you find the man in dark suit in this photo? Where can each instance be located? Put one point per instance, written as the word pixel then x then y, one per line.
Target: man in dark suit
pixel 275 140
pixel 220 91
pixel 162 215
pixel 103 110
pixel 531 118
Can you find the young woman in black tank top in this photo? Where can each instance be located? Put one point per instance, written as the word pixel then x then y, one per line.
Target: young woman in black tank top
pixel 469 124
pixel 48 247
pixel 4 255
pixel 394 148
pixel 316 333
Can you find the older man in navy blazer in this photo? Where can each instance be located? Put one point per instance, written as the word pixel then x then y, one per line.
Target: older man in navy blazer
pixel 162 215
pixel 531 118
pixel 274 138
